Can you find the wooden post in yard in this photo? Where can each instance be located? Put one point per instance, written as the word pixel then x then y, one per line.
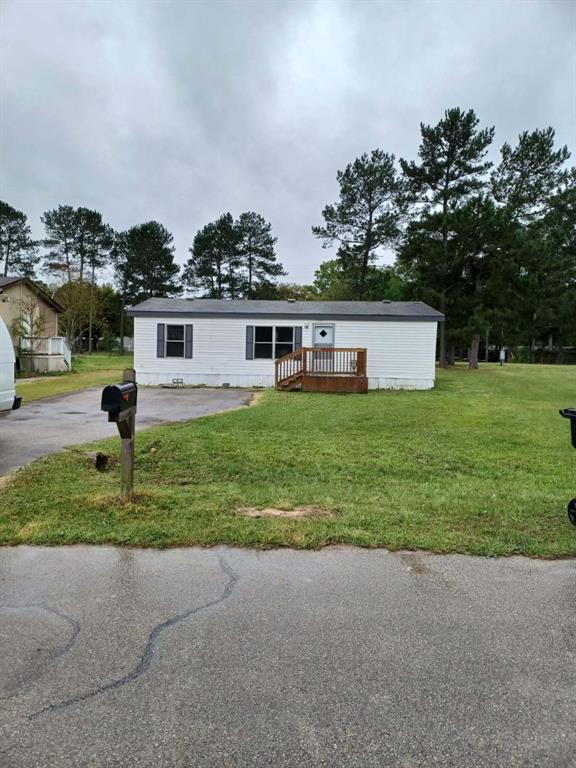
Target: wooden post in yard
pixel 127 450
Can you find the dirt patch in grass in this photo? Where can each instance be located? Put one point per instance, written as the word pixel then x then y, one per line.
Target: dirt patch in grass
pixel 290 513
pixel 256 397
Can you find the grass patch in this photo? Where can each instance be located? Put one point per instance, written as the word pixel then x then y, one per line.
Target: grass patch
pixel 101 361
pixel 92 370
pixel 482 464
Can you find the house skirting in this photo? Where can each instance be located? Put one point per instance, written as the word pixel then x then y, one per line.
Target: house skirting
pixel 218 380
pixel 43 363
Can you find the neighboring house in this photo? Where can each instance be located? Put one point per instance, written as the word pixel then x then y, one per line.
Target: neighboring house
pixel 31 315
pixel 236 343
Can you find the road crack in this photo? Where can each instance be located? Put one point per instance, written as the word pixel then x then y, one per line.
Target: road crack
pixel 149 652
pixel 72 623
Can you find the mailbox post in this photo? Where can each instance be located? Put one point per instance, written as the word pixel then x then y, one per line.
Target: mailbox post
pixel 119 400
pixel 570 413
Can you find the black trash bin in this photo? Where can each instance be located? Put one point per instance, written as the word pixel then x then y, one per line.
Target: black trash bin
pixel 570 413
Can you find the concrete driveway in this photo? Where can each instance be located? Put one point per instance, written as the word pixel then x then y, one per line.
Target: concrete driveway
pixel 48 426
pixel 195 658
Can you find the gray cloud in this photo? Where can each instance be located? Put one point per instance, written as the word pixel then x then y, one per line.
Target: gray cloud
pixel 179 111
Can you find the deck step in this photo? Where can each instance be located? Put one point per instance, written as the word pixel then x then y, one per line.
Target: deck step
pixel 291 382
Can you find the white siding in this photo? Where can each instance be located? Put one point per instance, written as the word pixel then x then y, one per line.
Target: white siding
pixel 400 354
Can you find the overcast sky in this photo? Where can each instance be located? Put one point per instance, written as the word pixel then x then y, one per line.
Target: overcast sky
pixel 179 111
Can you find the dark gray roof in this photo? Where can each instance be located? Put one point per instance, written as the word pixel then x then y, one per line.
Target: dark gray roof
pixel 337 310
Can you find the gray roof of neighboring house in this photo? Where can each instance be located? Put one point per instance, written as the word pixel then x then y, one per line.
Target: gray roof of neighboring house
pixel 336 310
pixel 6 282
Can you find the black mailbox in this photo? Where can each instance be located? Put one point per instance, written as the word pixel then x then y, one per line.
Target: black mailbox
pixel 117 398
pixel 570 413
pixel 119 401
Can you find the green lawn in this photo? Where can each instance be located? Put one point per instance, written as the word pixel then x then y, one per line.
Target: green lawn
pixel 92 370
pixel 101 361
pixel 482 464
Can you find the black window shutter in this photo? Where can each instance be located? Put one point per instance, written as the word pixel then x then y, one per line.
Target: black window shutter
pixel 160 336
pixel 249 342
pixel 189 334
pixel 297 337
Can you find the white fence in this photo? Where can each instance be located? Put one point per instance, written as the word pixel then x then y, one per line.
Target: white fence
pixel 48 345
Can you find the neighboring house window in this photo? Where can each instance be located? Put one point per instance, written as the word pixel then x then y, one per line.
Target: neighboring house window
pixel 174 341
pixel 271 343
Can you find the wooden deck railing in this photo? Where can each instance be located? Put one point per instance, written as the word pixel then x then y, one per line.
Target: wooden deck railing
pixel 289 365
pixel 335 361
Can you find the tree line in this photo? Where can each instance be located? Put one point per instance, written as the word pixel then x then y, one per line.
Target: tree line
pixel 493 246
pixel 228 258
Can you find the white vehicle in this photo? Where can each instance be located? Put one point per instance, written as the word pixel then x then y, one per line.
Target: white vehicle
pixel 9 401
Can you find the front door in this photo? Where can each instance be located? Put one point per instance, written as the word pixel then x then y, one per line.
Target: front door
pixel 323 341
pixel 323 336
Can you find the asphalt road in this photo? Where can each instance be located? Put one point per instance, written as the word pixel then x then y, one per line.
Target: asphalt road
pixel 50 425
pixel 195 658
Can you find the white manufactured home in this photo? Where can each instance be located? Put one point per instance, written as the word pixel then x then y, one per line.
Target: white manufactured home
pixel 288 344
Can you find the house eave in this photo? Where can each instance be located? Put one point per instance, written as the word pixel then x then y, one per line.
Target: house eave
pixel 436 318
pixel 41 293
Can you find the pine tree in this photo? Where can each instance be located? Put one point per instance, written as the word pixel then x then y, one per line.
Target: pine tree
pixel 365 219
pixel 451 168
pixel 535 190
pixel 213 257
pixel 257 254
pixel 61 241
pixel 227 246
pixel 144 263
pixel 18 251
pixel 97 243
pixel 529 174
pixel 120 259
pixel 233 258
pixel 483 243
pixel 546 269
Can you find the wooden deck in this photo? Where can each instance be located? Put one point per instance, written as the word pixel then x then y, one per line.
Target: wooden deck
pixel 323 370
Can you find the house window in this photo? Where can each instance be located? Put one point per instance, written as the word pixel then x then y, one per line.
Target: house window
pixel 271 343
pixel 174 341
pixel 284 341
